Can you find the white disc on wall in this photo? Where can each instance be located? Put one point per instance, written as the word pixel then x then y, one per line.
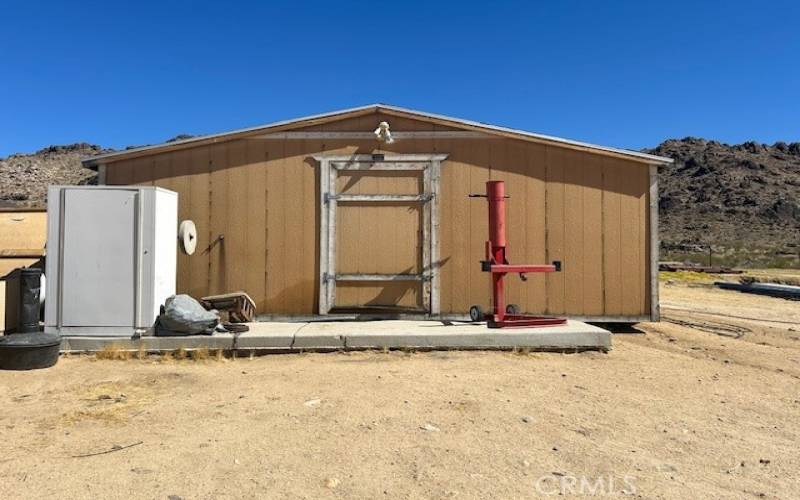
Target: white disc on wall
pixel 187 236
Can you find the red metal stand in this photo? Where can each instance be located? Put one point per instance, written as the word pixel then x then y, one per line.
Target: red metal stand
pixel 497 264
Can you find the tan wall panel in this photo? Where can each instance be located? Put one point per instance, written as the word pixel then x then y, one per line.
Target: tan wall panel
pixel 379 182
pixel 478 282
pixel 454 228
pixel 394 247
pixel 238 223
pixel 574 245
pixel 219 260
pixel 587 210
pixel 612 238
pixel 255 258
pixel 23 231
pixel 592 227
pixel 389 295
pixel 8 264
pixel 534 233
pixel 197 282
pixel 555 229
pixel 369 122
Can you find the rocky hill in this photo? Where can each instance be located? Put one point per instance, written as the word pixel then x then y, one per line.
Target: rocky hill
pixel 25 177
pixel 743 200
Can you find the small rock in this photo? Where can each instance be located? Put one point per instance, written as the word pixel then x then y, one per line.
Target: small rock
pixel 430 428
pixel 175 497
pixel 525 463
pixel 311 403
pixel 332 483
pixel 236 461
pixel 763 461
pixel 527 419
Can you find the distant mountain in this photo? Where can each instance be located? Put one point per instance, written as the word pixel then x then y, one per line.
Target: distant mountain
pixel 743 199
pixel 25 177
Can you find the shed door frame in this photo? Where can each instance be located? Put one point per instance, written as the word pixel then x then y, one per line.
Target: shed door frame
pixel 330 165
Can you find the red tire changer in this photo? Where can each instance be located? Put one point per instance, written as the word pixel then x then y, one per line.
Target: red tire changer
pixel 497 264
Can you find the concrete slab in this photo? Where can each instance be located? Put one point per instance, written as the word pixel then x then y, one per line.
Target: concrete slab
pixel 434 334
pixel 335 335
pixel 277 336
pixel 323 335
pixel 91 344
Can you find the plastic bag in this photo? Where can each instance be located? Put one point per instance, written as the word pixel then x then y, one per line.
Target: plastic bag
pixel 185 316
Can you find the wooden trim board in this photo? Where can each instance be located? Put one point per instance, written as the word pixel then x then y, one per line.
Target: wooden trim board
pixel 655 311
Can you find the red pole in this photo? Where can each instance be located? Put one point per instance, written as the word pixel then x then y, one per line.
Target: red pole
pixel 496 196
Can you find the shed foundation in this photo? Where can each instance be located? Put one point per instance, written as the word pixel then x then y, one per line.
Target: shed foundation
pixel 359 335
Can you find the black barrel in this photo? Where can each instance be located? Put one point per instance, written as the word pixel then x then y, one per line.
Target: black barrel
pixel 30 290
pixel 29 351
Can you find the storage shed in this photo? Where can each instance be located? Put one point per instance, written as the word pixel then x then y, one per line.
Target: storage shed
pixel 317 216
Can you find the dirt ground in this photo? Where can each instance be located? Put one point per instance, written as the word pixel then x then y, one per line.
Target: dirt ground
pixel 701 405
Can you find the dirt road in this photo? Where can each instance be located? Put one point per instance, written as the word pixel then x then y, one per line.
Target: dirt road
pixel 671 412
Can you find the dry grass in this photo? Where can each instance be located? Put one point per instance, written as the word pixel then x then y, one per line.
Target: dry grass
pixel 108 401
pixel 113 352
pixel 687 276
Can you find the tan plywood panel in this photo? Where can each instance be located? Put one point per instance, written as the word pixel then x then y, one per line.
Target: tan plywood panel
pixel 162 175
pixel 452 228
pixel 573 248
pixel 363 230
pixel 120 174
pixel 534 234
pixel 591 213
pixel 359 295
pixel 8 264
pixel 478 282
pixel 22 233
pixel 143 171
pixel 294 252
pixel 555 226
pixel 276 250
pixel 612 237
pixel 256 198
pixel 309 236
pixel 180 183
pixel 592 227
pixel 237 216
pixel 218 205
pixel 197 284
pixel 379 182
pixel 634 262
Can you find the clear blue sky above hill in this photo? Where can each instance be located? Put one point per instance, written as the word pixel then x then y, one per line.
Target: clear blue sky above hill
pixel 626 74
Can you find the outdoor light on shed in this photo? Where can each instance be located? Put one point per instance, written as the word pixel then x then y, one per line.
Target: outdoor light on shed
pixel 383 134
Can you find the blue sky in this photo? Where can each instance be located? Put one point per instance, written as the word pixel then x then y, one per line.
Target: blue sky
pixel 626 74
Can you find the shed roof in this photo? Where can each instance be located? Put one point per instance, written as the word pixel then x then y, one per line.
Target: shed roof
pixel 363 110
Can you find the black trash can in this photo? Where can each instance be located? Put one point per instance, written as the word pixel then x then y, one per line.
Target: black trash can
pixel 29 281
